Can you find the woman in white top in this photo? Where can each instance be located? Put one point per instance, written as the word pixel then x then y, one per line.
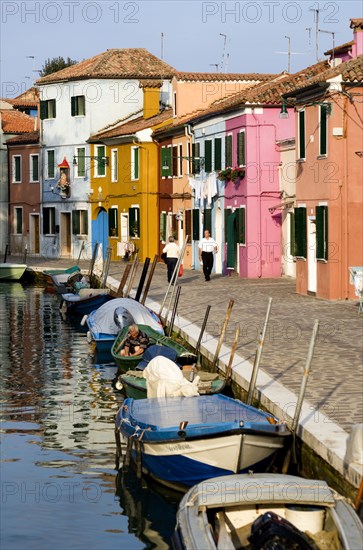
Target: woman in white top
pixel 172 254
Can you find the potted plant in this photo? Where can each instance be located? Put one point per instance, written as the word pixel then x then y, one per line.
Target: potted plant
pixel 232 174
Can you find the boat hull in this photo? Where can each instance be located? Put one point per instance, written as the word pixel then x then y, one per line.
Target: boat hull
pixel 86 305
pixel 11 272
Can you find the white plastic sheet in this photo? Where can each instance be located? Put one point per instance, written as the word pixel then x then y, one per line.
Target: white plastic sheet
pixel 165 379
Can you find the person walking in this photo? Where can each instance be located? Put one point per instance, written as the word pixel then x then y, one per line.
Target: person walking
pixel 207 247
pixel 172 254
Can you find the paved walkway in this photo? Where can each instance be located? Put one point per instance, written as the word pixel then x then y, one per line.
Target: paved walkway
pixel 333 399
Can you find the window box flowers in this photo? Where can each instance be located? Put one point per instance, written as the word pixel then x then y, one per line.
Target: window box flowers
pixel 233 174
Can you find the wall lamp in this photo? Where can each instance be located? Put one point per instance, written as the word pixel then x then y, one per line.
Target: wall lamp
pixel 283 112
pixel 101 160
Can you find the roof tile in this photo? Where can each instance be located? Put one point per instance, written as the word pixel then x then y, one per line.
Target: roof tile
pixel 15 122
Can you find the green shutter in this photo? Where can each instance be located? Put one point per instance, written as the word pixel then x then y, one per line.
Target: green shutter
pixel 241 158
pixel 301 134
pixel 53 108
pixel 292 233
pixel 101 167
pixel 217 154
pixel 323 129
pixel 241 225
pixel 208 155
pixel 17 163
pixel 321 232
pixel 231 240
pixel 166 162
pixel 51 164
pixel 300 232
pixel 76 222
pixel 228 151
pixel 196 154
pixel 86 221
pixel 196 229
pixel 207 220
pixel 163 226
pixel 136 163
pixel 227 213
pixel 45 221
pixel 35 167
pixel 81 163
pixel 112 222
pixel 43 110
pixel 73 106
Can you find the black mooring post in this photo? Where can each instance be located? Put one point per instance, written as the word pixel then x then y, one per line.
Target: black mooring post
pixel 6 253
pixel 142 279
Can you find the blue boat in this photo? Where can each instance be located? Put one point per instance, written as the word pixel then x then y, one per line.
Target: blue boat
pixel 85 300
pixel 106 322
pixel 181 441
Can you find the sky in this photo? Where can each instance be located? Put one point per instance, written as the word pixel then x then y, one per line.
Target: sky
pixel 194 36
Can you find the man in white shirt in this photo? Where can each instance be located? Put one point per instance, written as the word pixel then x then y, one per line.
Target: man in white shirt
pixel 172 254
pixel 207 247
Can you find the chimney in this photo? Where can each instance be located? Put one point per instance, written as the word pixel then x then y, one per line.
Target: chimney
pixel 151 103
pixel 357 26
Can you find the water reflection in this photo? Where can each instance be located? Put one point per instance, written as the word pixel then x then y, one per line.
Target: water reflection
pixel 58 452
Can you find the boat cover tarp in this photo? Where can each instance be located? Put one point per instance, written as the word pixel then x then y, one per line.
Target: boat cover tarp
pixel 154 351
pixel 102 320
pixel 165 379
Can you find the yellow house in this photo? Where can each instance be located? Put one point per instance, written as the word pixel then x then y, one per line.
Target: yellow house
pixel 125 180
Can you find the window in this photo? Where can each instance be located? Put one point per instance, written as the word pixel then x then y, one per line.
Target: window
pixel 217 154
pixel 228 151
pixel 208 155
pixel 175 160
pixel 114 165
pixel 16 169
pixel 112 222
pixel 180 160
pixel 163 227
pixel 300 232
pixel 166 162
pixel 301 121
pixel 47 109
pixel 241 154
pixel 100 164
pixel 134 222
pixel 323 135
pixel 196 229
pixel 18 220
pixel 49 221
pixel 50 164
pixel 81 162
pixel 134 163
pixel 174 105
pixel 292 233
pixel 34 168
pixel 188 223
pixel 196 158
pixel 189 154
pixel 78 105
pixel 241 225
pixel 227 214
pixel 321 232
pixel 80 222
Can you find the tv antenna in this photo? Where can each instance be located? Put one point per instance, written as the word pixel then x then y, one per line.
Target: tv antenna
pixel 333 34
pixel 162 46
pixel 316 19
pixel 224 55
pixel 289 53
pixel 214 65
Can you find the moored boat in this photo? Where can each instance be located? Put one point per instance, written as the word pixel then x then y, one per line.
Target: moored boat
pixel 181 441
pixel 265 511
pixel 85 300
pixel 11 272
pixel 126 363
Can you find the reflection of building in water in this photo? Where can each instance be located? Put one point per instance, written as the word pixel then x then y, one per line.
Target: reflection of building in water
pixel 152 514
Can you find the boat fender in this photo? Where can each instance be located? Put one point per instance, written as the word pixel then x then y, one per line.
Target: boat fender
pixel 119 385
pixel 182 426
pixel 84 319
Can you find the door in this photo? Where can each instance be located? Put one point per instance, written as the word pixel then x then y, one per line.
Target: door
pixel 231 241
pixel 65 234
pixel 100 231
pixel 34 234
pixel 312 264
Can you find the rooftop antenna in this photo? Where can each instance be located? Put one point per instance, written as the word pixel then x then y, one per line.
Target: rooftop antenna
pixel 224 51
pixel 227 59
pixel 309 40
pixel 162 46
pixel 214 65
pixel 290 53
pixel 333 34
pixel 316 19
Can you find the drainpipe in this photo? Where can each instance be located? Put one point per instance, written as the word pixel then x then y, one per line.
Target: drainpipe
pixel 259 193
pixel 345 201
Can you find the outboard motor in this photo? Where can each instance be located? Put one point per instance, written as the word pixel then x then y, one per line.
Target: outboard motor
pixel 122 318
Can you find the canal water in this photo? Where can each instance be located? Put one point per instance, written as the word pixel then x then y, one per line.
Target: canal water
pixel 59 485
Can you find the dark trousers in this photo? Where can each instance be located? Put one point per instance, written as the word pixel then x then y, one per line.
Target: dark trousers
pixel 171 263
pixel 207 259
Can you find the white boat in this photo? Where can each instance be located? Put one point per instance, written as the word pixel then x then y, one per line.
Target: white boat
pixel 11 272
pixel 266 511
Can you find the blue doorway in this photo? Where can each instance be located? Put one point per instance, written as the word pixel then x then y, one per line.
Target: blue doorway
pixel 100 231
